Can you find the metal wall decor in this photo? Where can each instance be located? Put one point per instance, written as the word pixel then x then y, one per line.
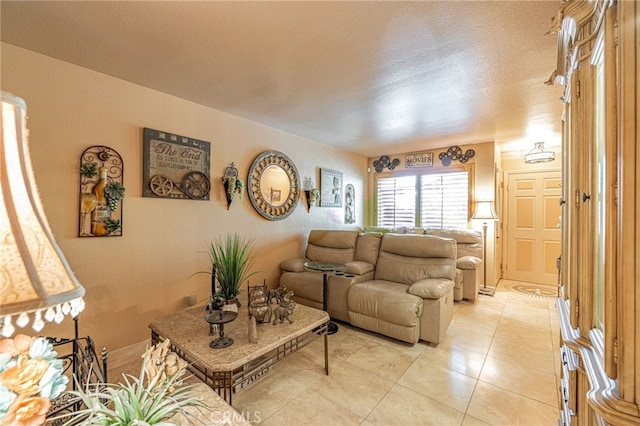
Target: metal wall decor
pixel 273 185
pixel 455 153
pixel 385 162
pixel 330 188
pixel 349 204
pixel 233 185
pixel 101 192
pixel 175 166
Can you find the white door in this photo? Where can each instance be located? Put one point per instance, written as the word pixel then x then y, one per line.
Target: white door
pixel 533 231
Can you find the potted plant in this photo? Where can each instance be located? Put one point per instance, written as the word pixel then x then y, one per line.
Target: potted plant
pixel 233 185
pixel 156 397
pixel 231 260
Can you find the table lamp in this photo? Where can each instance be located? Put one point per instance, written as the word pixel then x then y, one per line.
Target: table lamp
pixel 485 212
pixel 36 282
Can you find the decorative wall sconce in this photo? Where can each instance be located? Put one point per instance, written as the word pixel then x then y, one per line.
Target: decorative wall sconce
pixel 385 162
pixel 455 153
pixel 232 184
pixel 539 155
pixel 312 194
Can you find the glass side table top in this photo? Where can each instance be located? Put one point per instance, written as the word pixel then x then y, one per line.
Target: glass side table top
pixel 325 266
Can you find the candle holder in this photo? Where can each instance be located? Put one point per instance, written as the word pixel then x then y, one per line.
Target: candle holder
pixel 220 318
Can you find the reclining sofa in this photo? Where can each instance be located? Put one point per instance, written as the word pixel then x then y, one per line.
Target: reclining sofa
pixel 397 285
pixel 470 256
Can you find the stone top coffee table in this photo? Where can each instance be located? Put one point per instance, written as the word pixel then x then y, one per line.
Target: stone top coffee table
pixel 232 368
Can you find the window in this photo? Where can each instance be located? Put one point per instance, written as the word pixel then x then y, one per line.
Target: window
pixel 427 200
pixel 397 201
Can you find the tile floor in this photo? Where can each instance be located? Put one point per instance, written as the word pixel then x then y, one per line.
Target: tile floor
pixel 498 365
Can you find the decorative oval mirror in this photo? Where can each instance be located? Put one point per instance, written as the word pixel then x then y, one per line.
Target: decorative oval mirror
pixel 273 185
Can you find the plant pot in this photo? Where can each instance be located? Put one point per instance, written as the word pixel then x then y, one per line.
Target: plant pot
pixel 227 194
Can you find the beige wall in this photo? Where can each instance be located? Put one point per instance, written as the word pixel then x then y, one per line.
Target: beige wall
pixel 133 279
pixel 484 184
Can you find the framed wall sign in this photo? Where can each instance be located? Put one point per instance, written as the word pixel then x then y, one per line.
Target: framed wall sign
pixel 175 166
pixel 423 159
pixel 330 188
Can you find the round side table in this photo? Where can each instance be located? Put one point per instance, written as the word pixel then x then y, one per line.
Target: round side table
pixel 326 268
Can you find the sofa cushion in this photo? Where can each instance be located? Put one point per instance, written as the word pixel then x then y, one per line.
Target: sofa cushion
pixel 469 240
pixel 431 288
pixel 293 265
pixel 468 262
pixel 331 246
pixel 409 258
pixel 385 300
pixel 358 267
pixel 367 247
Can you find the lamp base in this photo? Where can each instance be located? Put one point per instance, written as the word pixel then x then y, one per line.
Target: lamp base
pixel 487 291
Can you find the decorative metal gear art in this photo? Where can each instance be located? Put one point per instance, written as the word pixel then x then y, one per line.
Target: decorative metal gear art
pixel 455 153
pixel 385 162
pixel 194 185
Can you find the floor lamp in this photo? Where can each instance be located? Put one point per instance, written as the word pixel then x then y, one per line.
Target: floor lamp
pixel 37 282
pixel 485 212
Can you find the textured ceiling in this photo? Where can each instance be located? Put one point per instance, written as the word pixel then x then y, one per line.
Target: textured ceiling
pixel 370 77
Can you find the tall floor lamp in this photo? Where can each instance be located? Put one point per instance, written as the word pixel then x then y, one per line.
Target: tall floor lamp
pixel 36 282
pixel 485 212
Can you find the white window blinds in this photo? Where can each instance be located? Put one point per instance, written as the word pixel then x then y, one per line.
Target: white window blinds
pixel 397 201
pixel 444 200
pixel 435 200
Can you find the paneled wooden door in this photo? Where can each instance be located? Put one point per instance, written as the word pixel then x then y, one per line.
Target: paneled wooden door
pixel 533 227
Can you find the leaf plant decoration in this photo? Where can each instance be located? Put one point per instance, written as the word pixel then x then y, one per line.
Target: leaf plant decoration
pixel 152 398
pixel 231 260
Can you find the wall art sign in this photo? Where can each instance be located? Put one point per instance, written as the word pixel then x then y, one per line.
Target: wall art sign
pixel 423 159
pixel 101 192
pixel 175 166
pixel 330 188
pixel 349 204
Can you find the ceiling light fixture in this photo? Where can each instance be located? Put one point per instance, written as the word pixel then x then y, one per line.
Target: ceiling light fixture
pixel 539 155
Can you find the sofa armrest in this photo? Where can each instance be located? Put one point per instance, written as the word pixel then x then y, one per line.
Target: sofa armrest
pixel 293 265
pixel 468 262
pixel 431 288
pixel 358 267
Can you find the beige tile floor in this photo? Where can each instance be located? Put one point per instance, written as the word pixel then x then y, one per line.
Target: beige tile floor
pixel 496 366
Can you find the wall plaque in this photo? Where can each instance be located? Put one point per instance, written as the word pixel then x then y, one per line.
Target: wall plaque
pixel 424 159
pixel 175 166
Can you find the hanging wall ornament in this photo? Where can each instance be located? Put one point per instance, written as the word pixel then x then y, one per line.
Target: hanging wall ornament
pixel 349 204
pixel 385 162
pixel 101 192
pixel 455 153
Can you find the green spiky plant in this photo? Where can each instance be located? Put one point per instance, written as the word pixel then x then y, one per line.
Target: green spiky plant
pixel 139 401
pixel 231 260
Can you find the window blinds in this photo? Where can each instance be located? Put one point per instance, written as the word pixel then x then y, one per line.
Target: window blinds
pixel 397 201
pixel 437 200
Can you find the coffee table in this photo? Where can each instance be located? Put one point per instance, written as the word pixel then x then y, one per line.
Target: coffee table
pixel 326 268
pixel 235 367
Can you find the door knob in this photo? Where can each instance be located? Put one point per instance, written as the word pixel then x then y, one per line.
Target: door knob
pixel 561 201
pixel 585 197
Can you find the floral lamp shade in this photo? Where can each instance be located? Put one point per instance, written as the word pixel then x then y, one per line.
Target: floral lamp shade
pixel 36 282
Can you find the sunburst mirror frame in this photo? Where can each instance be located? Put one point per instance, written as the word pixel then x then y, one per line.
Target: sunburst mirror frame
pixel 263 206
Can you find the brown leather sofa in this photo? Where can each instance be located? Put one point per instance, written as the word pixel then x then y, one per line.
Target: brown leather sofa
pixel 397 285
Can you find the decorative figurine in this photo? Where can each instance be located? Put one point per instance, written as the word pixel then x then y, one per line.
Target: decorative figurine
pixel 284 310
pixel 259 303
